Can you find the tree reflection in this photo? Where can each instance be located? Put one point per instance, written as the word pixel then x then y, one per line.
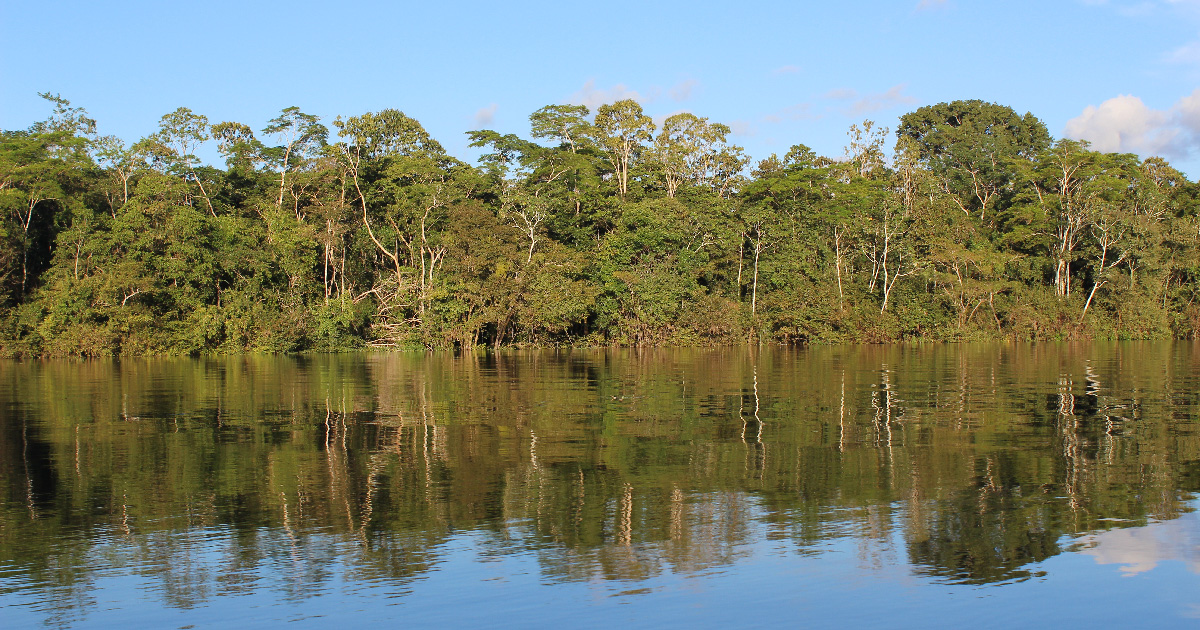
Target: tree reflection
pixel 214 477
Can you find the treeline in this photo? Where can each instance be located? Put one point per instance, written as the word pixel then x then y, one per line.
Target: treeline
pixel 601 228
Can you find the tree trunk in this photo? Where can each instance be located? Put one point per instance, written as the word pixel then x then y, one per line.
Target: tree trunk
pixel 754 290
pixel 837 257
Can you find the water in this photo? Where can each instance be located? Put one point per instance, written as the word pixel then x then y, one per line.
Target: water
pixel 990 485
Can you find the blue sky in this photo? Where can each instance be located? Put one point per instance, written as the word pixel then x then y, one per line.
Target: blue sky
pixel 1124 74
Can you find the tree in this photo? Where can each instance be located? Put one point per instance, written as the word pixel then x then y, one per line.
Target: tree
pixel 301 136
pixel 623 129
pixel 526 210
pixel 650 267
pixel 1060 181
pixel 683 149
pixel 386 133
pixel 970 145
pixel 173 147
pixel 41 169
pixel 68 130
pixel 760 230
pixel 568 124
pixel 1111 218
pixel 691 150
pixel 120 163
pixel 402 177
pixel 885 240
pixel 865 150
pixel 802 193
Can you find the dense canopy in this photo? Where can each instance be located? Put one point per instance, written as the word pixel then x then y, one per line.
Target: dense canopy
pixel 599 228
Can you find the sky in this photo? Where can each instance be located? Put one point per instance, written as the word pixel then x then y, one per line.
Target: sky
pixel 1123 74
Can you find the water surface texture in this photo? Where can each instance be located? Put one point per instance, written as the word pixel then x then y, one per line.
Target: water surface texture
pixel 989 485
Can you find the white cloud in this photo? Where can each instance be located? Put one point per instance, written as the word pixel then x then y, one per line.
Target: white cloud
pixel 1126 124
pixel 1187 109
pixel 840 94
pixel 869 103
pixel 1188 54
pixel 742 128
pixel 682 91
pixel 594 97
pixel 799 111
pixel 786 70
pixel 485 115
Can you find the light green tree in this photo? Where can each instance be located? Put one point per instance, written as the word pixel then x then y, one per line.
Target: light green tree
pixel 623 130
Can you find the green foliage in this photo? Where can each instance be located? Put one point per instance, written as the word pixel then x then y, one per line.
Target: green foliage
pixel 972 145
pixel 980 226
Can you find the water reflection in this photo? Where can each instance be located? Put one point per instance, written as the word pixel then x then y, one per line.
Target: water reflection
pixel 196 480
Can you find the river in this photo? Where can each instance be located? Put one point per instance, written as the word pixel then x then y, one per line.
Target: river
pixel 898 486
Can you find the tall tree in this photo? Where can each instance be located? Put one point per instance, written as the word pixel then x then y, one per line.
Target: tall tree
pixel 970 144
pixel 623 130
pixel 568 124
pixel 301 137
pixel 173 147
pixel 40 170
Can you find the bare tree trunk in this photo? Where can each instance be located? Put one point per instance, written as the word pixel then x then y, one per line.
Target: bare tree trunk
pixel 283 175
pixel 325 270
pixel 837 257
pixel 741 259
pixel 754 291
pixel 204 193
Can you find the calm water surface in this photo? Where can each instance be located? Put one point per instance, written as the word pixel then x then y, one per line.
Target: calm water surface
pixel 833 487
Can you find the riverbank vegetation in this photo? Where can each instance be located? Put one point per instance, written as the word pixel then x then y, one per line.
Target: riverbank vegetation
pixel 598 228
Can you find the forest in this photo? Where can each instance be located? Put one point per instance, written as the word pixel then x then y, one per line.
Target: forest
pixel 604 228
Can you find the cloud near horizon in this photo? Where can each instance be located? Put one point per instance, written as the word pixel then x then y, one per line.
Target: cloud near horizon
pixel 682 91
pixel 484 116
pixel 742 128
pixel 799 111
pixel 839 94
pixel 860 104
pixel 1125 124
pixel 593 97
